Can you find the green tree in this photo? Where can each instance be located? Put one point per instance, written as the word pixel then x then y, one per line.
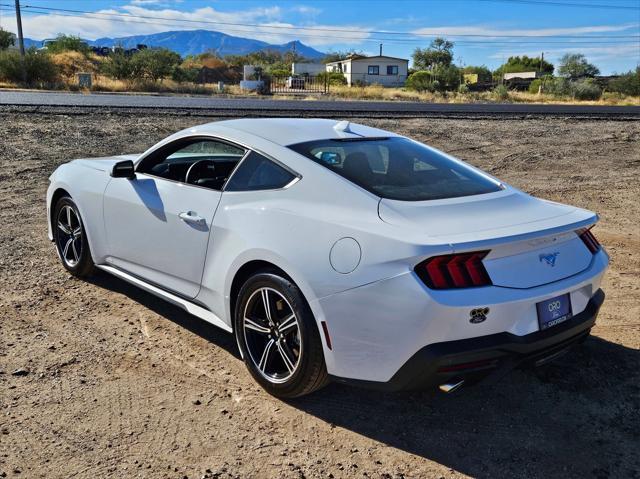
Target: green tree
pixel 440 78
pixel 524 64
pixel 154 63
pixel 484 74
pixel 64 43
pixel 118 66
pixel 627 83
pixel 439 54
pixel 575 65
pixel 7 39
pixel 38 66
pixel 340 55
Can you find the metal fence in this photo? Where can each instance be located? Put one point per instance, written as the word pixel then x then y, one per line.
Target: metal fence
pixel 298 85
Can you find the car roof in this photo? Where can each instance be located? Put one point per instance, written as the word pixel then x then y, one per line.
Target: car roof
pixel 289 131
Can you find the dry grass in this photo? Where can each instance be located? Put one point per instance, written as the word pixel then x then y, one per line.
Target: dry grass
pixel 69 66
pixel 379 93
pixel 106 84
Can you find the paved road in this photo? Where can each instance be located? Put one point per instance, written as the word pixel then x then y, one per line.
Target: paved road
pixel 51 99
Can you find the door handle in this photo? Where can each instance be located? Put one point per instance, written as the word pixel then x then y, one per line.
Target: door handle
pixel 192 217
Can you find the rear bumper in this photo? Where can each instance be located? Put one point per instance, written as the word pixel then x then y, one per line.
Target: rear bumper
pixel 491 355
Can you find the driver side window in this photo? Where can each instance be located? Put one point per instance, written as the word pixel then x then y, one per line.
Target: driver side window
pixel 201 162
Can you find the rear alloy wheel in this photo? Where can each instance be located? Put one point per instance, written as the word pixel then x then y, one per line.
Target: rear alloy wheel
pixel 278 337
pixel 71 239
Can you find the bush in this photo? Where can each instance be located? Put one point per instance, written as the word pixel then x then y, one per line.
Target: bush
pixel 420 81
pixel 558 87
pixel 332 78
pixel 38 66
pixel 118 66
pixel 7 39
pixel 181 74
pixel 67 43
pixel 501 92
pixel 627 83
pixel 586 90
pixel 154 63
pixel 535 85
pixel 463 88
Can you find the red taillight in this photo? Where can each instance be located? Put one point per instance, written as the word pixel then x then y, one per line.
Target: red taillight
pixel 454 271
pixel 590 241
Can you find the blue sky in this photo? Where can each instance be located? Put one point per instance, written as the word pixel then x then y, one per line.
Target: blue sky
pixel 485 31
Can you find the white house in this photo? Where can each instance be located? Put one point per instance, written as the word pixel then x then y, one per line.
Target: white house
pixel 383 70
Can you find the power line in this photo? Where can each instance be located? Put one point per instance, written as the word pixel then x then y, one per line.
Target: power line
pixel 567 4
pixel 319 29
pixel 406 41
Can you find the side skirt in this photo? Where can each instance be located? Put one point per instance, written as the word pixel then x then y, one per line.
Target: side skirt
pixel 188 306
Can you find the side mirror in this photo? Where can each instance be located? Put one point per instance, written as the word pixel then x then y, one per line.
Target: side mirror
pixel 123 169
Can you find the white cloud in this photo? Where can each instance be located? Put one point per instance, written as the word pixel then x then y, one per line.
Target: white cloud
pixel 306 10
pixel 93 26
pixel 452 31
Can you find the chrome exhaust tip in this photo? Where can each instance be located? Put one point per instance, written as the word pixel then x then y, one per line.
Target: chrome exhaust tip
pixel 450 387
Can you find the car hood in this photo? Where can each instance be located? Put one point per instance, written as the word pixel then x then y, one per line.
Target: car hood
pixel 104 163
pixel 508 213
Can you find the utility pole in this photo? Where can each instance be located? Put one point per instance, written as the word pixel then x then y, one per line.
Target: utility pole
pixel 21 40
pixel 381 49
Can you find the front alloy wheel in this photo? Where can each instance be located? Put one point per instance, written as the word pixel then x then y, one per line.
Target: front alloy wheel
pixel 70 238
pixel 278 336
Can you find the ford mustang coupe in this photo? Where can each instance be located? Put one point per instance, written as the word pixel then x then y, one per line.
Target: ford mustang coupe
pixel 336 251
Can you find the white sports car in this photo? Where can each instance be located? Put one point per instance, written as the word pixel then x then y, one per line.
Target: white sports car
pixel 336 251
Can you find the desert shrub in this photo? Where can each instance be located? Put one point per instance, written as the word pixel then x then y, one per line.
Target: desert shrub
pixel 181 74
pixel 38 65
pixel 67 43
pixel 71 62
pixel 535 85
pixel 586 90
pixel 118 66
pixel 7 39
pixel 332 78
pixel 501 92
pixel 154 63
pixel 279 72
pixel 558 87
pixel 420 81
pixel 627 83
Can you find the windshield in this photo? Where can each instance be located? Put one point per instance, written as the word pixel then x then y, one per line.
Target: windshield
pixel 397 168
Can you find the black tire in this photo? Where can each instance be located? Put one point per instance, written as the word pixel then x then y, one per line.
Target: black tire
pixel 310 373
pixel 77 257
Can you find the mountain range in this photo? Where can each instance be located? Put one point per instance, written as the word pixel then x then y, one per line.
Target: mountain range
pixel 193 42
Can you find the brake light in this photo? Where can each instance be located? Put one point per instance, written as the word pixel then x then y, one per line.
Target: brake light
pixel 454 271
pixel 590 241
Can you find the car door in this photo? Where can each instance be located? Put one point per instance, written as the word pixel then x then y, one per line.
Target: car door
pixel 158 223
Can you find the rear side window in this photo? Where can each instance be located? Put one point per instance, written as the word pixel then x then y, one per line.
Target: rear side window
pixel 397 168
pixel 258 173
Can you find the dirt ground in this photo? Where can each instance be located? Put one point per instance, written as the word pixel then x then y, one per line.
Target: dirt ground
pixel 99 379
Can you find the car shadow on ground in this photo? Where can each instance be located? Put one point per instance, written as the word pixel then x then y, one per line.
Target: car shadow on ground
pixel 576 417
pixel 167 310
pixel 548 422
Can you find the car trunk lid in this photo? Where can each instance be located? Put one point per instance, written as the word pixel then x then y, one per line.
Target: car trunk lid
pixel 531 241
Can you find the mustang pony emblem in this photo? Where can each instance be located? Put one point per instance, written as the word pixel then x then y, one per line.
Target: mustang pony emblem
pixel 549 258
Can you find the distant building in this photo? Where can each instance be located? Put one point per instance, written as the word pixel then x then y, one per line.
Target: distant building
pixel 383 70
pixel 523 75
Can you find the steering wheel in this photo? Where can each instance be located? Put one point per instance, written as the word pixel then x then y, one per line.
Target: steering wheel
pixel 198 165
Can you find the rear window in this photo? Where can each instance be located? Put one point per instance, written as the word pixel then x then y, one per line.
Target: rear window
pixel 397 168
